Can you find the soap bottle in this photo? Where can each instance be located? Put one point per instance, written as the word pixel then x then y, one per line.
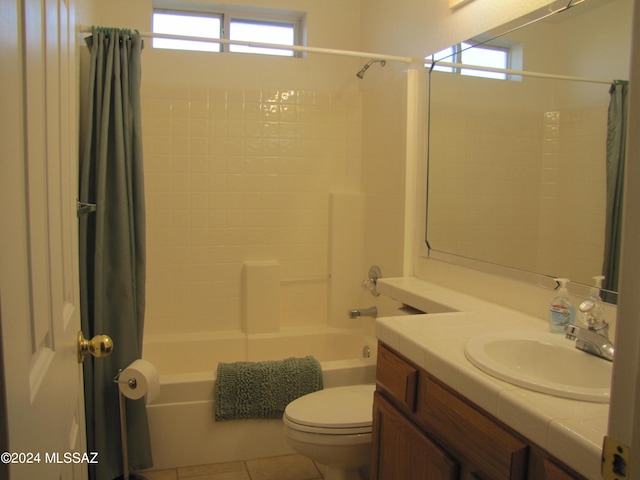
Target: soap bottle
pixel 591 310
pixel 561 312
pixel 594 293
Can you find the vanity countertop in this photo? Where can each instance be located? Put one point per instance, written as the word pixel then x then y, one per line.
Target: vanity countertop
pixel 571 430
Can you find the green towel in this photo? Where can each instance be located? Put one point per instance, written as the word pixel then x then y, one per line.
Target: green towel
pixel 263 389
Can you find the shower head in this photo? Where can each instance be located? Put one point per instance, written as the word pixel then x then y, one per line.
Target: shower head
pixel 360 74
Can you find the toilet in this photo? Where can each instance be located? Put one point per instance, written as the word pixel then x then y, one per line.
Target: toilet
pixel 332 427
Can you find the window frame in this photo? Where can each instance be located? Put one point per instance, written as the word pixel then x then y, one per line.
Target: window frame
pixel 456 57
pixel 188 13
pixel 268 17
pixel 283 20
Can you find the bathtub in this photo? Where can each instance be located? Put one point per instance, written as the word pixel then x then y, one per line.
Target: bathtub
pixel 183 431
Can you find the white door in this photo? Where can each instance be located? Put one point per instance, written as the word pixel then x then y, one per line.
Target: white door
pixel 39 293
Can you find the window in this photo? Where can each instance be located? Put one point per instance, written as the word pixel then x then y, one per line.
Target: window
pixel 492 56
pixel 187 24
pixel 280 33
pixel 262 27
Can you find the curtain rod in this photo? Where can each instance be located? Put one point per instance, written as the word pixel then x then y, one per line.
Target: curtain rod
pixel 295 48
pixel 364 55
pixel 524 73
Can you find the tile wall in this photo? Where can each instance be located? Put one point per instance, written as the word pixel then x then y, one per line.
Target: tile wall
pixel 242 174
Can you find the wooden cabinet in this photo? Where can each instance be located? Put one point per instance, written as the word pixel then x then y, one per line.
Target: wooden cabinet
pixel 422 429
pixel 544 467
pixel 404 451
pixel 486 449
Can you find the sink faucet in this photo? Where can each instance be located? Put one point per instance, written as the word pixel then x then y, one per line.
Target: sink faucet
pixel 593 339
pixel 363 312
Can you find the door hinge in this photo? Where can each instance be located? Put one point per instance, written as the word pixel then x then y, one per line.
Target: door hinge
pixel 615 460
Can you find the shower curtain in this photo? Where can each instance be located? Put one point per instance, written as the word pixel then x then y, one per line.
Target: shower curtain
pixel 112 246
pixel 616 139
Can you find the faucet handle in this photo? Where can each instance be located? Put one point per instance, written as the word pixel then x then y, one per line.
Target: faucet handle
pixel 570 331
pixel 370 283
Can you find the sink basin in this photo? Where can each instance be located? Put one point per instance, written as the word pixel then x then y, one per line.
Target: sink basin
pixel 544 362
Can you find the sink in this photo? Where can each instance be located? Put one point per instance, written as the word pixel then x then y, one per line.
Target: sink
pixel 544 362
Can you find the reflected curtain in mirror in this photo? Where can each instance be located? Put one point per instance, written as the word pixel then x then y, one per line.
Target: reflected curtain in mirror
pixel 616 139
pixel 112 245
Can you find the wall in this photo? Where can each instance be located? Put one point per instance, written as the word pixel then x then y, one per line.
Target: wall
pixel 393 231
pixel 440 27
pixel 196 253
pixel 583 128
pixel 251 158
pixel 523 161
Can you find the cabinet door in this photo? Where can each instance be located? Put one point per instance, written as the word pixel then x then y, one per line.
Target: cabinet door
pixel 401 451
pixel 486 449
pixel 543 467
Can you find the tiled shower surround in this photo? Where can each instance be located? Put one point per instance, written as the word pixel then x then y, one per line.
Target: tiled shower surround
pixel 241 174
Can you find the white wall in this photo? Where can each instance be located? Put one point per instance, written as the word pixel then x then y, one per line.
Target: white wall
pixel 427 29
pixel 412 28
pixel 242 154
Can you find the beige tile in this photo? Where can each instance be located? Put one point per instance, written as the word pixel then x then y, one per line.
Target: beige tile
pixel 289 467
pixel 218 471
pixel 169 474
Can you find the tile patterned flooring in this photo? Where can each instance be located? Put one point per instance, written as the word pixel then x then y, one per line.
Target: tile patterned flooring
pixel 288 467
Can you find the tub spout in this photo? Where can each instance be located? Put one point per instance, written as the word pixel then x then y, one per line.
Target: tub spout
pixel 363 312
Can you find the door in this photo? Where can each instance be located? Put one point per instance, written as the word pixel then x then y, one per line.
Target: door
pixel 39 294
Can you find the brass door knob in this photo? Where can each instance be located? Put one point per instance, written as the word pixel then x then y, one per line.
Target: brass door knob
pixel 99 346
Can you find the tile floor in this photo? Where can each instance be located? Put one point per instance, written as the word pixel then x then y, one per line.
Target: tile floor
pixel 288 467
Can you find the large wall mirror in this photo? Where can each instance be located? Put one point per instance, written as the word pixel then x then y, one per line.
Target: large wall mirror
pixel 518 166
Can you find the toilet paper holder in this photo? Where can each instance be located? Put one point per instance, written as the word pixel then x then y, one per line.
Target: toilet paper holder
pixel 132 382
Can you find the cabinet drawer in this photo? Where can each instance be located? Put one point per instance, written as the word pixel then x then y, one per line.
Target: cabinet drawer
pixel 490 451
pixel 397 377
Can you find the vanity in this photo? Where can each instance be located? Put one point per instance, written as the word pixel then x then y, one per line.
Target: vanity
pixel 437 416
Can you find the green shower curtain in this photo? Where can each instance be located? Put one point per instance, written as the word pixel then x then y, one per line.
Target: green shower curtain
pixel 616 139
pixel 112 245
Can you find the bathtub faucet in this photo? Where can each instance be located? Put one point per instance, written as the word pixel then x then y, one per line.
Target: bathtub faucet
pixel 363 312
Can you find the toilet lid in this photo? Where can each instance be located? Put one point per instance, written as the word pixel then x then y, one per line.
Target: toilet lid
pixel 338 407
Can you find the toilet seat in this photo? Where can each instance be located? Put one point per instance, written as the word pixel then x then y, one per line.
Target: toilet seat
pixel 333 411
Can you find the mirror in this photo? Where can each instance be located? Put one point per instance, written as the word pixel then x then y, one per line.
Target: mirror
pixel 517 167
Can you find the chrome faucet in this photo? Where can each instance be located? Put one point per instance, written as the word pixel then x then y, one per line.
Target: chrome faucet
pixel 593 339
pixel 363 312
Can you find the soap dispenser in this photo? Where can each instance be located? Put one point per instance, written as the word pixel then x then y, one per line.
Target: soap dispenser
pixel 591 310
pixel 561 312
pixel 594 293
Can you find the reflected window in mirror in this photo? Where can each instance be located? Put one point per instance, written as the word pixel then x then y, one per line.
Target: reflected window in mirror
pixel 498 54
pixel 485 56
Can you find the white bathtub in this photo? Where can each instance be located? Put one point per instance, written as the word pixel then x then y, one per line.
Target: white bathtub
pixel 183 431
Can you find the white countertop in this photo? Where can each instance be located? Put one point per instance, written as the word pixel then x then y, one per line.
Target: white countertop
pixel 571 430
